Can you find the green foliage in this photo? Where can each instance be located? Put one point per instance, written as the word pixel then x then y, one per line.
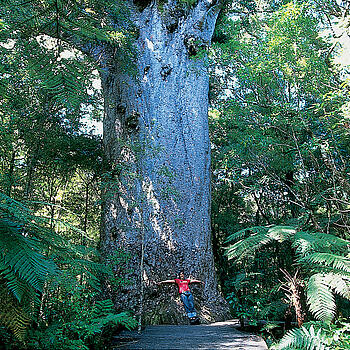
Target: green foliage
pixel 23 265
pixel 273 143
pixel 320 299
pixel 79 322
pixel 12 315
pixel 21 260
pixel 48 97
pixel 280 157
pixel 316 336
pixel 327 272
pixel 303 338
pixel 47 280
pixel 248 300
pixel 75 316
pixel 48 153
pixel 89 21
pixel 117 263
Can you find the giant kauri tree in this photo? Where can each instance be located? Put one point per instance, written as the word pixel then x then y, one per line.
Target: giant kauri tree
pixel 154 71
pixel 156 134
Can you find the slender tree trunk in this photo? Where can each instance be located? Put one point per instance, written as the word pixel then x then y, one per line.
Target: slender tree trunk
pixel 10 174
pixel 156 135
pixel 86 211
pixel 290 182
pixel 30 172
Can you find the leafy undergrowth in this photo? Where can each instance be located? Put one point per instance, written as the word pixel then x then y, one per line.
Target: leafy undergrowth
pixel 50 291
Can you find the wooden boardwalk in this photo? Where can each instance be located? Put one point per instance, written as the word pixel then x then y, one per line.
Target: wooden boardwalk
pixel 220 335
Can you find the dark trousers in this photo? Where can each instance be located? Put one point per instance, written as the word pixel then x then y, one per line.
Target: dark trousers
pixel 187 300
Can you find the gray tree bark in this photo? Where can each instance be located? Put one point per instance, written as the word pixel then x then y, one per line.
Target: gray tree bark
pixel 156 135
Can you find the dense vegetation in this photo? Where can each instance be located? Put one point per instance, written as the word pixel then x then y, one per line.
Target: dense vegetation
pixel 280 130
pixel 53 171
pixel 280 137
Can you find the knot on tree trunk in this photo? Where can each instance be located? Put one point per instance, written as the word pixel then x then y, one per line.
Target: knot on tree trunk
pixel 142 4
pixel 132 122
pixel 195 45
pixel 121 108
pixel 165 71
pixel 172 18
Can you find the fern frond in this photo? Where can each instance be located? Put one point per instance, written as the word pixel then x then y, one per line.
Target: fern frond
pixel 305 242
pixel 303 338
pixel 103 317
pixel 340 284
pixel 248 246
pixel 123 319
pixel 12 315
pixel 320 298
pixel 103 308
pixel 255 241
pixel 18 287
pixel 22 216
pixel 243 233
pixel 282 233
pixel 329 260
pixel 22 256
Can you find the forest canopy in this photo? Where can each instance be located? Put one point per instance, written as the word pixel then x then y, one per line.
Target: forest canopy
pixel 244 116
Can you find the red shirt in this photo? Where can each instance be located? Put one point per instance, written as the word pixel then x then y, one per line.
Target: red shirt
pixel 183 285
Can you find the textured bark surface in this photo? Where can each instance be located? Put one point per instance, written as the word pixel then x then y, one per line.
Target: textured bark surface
pixel 156 134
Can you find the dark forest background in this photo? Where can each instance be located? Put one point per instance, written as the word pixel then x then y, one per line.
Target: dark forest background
pixel 279 126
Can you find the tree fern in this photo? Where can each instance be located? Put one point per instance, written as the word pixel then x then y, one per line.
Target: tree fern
pixel 304 339
pixel 12 315
pixel 323 258
pixel 259 237
pixel 327 261
pixel 30 255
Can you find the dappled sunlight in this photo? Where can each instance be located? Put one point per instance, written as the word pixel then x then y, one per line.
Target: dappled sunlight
pixel 218 188
pixel 163 228
pixel 281 233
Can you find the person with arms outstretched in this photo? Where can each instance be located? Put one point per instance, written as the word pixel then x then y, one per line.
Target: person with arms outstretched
pixel 185 294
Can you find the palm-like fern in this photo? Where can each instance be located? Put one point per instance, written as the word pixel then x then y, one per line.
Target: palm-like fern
pixel 316 336
pixel 323 257
pixel 23 266
pixel 29 256
pixel 21 260
pixel 12 315
pixel 250 240
pixel 303 338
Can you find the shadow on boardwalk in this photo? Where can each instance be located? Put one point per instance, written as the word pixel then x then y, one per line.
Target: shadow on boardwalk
pixel 220 335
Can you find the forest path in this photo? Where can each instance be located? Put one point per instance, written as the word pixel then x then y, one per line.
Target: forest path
pixel 220 335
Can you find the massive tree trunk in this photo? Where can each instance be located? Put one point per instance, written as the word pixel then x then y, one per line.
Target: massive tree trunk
pixel 156 135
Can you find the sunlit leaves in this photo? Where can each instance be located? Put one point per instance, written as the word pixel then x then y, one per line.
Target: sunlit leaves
pixel 329 272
